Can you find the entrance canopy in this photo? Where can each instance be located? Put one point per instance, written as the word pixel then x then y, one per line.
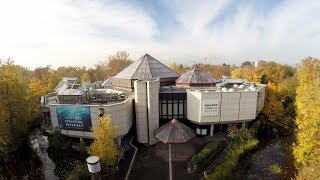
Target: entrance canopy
pixel 174 132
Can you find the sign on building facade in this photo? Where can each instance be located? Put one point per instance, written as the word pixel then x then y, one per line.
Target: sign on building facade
pixel 76 118
pixel 210 107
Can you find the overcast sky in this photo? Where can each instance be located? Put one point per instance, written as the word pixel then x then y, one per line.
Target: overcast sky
pixel 83 32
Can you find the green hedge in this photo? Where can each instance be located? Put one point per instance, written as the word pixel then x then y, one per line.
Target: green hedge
pixel 201 159
pixel 242 142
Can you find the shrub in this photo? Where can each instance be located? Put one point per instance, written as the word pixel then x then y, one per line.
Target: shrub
pixel 59 141
pixel 275 169
pixel 311 171
pixel 80 172
pixel 198 161
pixel 83 148
pixel 242 142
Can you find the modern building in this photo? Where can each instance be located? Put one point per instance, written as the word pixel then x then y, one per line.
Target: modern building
pixel 149 94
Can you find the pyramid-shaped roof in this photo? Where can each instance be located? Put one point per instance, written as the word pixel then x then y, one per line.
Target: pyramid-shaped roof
pixel 146 67
pixel 174 132
pixel 107 83
pixel 196 76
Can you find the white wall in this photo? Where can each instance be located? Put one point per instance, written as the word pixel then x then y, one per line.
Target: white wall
pixel 229 106
pixel 193 105
pixel 147 110
pixel 153 109
pixel 261 98
pixel 233 106
pixel 141 105
pixel 248 105
pixel 206 96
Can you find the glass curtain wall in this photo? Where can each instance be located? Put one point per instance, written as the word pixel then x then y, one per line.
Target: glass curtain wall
pixel 172 105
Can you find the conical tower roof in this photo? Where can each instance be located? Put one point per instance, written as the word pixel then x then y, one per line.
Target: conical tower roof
pixel 146 67
pixel 174 132
pixel 196 76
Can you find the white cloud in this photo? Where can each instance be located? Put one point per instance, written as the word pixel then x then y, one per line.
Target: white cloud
pixel 38 33
pixel 196 15
pixel 62 32
pixel 287 34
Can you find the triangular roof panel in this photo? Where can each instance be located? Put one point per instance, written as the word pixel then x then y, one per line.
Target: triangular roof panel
pixel 107 83
pixel 146 67
pixel 196 77
pixel 174 132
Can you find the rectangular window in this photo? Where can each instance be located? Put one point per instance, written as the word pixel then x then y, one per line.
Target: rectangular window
pixel 204 132
pixel 175 108
pixel 170 109
pixel 164 108
pixel 185 109
pixel 181 108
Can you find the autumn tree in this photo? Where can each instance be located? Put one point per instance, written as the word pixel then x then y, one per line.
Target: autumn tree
pixel 275 72
pixel 307 147
pixel 42 80
pixel 48 77
pixel 118 62
pixel 15 114
pixel 85 77
pixel 70 71
pixel 113 65
pixel 5 135
pixel 244 72
pixel 37 88
pixel 309 172
pixel 281 85
pixel 104 145
pixel 180 69
pixel 273 107
pixel 99 72
pixel 216 70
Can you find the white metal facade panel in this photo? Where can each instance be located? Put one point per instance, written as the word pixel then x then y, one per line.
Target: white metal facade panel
pixel 229 106
pixel 153 109
pixel 248 105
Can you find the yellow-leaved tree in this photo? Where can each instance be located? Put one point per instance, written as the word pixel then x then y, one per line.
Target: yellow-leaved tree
pixel 85 77
pixel 273 107
pixel 180 69
pixel 104 145
pixel 307 147
pixel 15 113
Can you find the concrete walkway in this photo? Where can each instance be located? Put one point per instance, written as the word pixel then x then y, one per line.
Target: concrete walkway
pixel 152 162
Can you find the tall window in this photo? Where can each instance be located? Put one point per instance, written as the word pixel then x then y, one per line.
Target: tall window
pixel 172 105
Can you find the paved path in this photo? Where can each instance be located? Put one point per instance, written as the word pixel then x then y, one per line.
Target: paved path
pixel 152 162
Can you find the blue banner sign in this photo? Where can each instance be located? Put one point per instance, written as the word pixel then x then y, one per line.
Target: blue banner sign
pixel 76 118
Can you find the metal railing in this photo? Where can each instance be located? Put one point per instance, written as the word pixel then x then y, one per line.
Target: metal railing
pixel 217 160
